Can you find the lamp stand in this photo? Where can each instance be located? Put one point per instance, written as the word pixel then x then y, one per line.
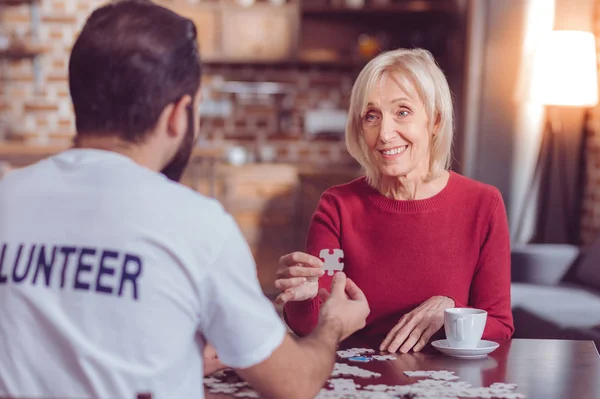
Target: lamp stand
pixel 552 135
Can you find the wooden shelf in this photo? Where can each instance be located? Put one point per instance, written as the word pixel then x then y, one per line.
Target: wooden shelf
pixel 19 53
pixel 343 64
pixel 392 9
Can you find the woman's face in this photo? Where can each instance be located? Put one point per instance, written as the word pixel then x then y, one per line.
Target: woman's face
pixel 395 128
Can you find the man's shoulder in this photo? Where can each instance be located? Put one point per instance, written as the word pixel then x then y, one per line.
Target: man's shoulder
pixel 187 200
pixel 140 186
pixel 181 192
pixel 19 176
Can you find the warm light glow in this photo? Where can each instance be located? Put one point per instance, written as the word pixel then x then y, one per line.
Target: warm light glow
pixel 565 70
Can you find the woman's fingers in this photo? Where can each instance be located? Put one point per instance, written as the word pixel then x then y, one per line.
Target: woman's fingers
pixel 300 258
pixel 284 284
pixel 299 271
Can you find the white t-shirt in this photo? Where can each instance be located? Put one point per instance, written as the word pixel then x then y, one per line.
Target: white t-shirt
pixel 110 277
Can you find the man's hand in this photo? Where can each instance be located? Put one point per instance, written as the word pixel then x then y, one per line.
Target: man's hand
pixel 346 305
pixel 414 329
pixel 299 368
pixel 211 360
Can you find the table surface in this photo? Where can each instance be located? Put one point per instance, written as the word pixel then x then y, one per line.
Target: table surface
pixel 542 369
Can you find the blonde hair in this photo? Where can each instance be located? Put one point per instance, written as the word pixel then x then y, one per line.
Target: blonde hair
pixel 420 68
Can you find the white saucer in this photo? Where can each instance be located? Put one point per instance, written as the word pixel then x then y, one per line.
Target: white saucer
pixel 483 348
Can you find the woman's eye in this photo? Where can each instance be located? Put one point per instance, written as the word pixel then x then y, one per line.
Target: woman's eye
pixel 402 113
pixel 370 117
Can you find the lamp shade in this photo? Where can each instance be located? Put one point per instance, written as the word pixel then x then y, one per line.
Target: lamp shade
pixel 565 72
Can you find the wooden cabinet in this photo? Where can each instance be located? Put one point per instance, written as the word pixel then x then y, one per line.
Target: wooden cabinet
pixel 230 32
pixel 261 32
pixel 206 18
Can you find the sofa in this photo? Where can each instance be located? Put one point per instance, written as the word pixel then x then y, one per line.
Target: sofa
pixel 555 291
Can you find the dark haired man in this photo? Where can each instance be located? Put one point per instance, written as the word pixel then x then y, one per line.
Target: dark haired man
pixel 113 276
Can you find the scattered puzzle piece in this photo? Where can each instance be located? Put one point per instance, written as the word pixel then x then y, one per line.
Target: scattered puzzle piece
pixel 226 389
pixel 503 386
pixel 341 369
pixel 362 359
pixel 377 388
pixel 343 384
pixel 345 354
pixel 247 394
pixel 434 374
pixel 384 357
pixel 332 259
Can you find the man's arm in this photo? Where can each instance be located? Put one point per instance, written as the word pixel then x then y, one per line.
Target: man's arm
pixel 299 368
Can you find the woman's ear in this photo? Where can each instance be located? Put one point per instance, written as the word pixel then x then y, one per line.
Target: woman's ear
pixel 437 123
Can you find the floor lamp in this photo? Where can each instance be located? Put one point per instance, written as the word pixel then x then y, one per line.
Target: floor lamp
pixel 565 74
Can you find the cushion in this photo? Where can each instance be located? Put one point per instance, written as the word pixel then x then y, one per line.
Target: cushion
pixel 563 305
pixel 588 269
pixel 542 263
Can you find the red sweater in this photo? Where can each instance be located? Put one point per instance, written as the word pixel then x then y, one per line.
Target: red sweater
pixel 401 253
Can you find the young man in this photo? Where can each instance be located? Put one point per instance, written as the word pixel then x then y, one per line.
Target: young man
pixel 112 276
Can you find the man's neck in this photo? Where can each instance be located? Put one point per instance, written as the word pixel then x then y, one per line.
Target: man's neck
pixel 139 153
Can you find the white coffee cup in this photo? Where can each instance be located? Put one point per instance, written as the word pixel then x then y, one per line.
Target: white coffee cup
pixel 464 327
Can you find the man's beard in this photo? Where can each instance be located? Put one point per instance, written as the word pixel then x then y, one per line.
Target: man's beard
pixel 175 168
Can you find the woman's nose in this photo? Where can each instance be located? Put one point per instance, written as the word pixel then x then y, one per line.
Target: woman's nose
pixel 387 132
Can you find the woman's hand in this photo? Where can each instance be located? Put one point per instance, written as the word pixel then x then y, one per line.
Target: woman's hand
pixel 212 362
pixel 414 329
pixel 298 277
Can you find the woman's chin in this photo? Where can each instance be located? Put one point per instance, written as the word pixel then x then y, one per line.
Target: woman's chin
pixel 392 171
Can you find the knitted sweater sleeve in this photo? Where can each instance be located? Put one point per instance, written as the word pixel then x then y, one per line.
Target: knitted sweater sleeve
pixel 324 233
pixel 490 287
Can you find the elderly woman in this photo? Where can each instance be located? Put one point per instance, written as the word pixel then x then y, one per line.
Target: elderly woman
pixel 417 238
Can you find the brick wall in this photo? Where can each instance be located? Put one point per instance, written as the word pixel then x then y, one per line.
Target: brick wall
pixel 47 115
pixel 590 218
pixel 278 121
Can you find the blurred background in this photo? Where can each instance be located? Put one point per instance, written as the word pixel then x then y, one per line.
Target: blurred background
pixel 277 81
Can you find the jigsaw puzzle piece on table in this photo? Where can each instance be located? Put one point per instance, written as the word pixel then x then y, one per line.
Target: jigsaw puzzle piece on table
pixel 363 359
pixel 384 357
pixel 343 369
pixel 332 259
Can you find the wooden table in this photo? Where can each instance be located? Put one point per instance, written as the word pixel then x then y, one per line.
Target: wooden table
pixel 542 369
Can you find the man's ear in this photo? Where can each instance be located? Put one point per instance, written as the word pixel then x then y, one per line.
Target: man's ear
pixel 177 116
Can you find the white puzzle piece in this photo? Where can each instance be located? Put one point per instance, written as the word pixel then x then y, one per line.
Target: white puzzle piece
pixel 343 384
pixel 342 369
pixel 434 374
pixel 247 394
pixel 383 358
pixel 332 259
pixel 348 353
